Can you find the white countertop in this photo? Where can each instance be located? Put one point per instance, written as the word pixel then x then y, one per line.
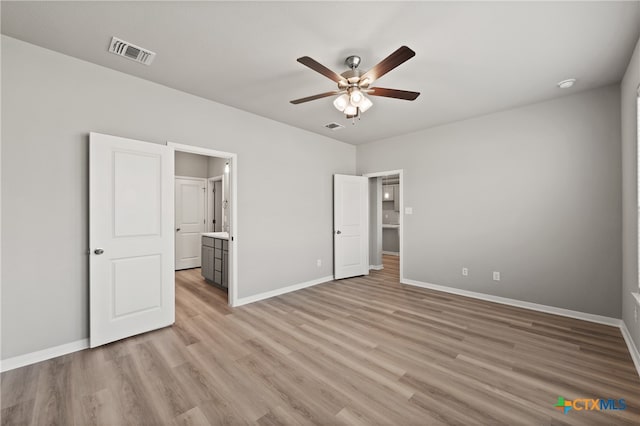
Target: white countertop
pixel 219 235
pixel 390 226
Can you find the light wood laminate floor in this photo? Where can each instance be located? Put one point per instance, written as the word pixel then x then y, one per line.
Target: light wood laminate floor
pixel 359 351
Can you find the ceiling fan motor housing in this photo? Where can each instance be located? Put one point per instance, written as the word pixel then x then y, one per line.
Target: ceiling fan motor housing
pixel 352 61
pixel 352 76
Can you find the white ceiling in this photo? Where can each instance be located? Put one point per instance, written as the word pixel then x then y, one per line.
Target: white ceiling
pixel 472 58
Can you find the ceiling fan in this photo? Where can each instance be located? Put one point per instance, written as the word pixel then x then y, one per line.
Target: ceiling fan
pixel 353 85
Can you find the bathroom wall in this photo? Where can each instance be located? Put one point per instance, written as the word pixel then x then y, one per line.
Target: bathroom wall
pixel 390 240
pixel 215 166
pixel 191 165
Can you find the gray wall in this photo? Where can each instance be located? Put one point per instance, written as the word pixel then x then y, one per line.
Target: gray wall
pixel 50 102
pixel 628 91
pixel 391 240
pixel 533 192
pixel 192 165
pixel 215 166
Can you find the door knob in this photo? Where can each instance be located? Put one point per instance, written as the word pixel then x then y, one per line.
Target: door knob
pixel 98 251
pixel 338 232
pixel 177 229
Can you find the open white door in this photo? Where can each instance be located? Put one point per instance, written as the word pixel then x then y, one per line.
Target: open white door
pixel 130 238
pixel 190 196
pixel 351 226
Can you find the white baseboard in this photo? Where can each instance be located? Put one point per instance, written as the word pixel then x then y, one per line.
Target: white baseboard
pixel 266 295
pixel 376 267
pixel 633 349
pixel 391 253
pixel 43 355
pixel 518 303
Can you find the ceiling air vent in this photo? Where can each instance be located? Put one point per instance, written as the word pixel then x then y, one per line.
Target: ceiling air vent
pixel 131 51
pixel 334 126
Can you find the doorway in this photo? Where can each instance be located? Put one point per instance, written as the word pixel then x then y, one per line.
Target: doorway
pixel 386 211
pixel 219 216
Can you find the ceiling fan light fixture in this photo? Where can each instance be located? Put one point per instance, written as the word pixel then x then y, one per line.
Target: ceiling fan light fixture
pixel 351 110
pixel 341 102
pixel 365 104
pixel 356 97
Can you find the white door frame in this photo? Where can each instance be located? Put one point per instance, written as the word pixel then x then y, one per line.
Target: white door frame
pixel 210 182
pixel 399 172
pixel 233 228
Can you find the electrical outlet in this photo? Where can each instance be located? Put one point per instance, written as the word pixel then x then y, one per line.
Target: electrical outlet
pixel 319 263
pixel 465 272
pixel 496 276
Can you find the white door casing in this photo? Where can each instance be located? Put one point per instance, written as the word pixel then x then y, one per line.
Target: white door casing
pixel 131 283
pixel 190 196
pixel 351 226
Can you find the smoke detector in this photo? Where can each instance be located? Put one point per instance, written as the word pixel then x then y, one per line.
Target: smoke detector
pixel 131 51
pixel 334 126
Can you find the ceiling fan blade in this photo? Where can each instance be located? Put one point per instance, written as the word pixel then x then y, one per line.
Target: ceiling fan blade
pixel 314 97
pixel 397 58
pixel 393 93
pixel 318 67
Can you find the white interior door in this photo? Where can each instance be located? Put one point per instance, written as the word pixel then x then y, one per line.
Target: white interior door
pixel 351 226
pixel 130 238
pixel 190 220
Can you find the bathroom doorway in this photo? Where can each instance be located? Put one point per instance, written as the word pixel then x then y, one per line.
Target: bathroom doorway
pixel 219 224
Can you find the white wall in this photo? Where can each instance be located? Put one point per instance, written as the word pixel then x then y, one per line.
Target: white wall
pixel 629 93
pixel 191 165
pixel 50 102
pixel 533 192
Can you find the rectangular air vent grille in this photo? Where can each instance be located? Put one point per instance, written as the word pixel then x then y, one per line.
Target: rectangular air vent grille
pixel 131 51
pixel 334 126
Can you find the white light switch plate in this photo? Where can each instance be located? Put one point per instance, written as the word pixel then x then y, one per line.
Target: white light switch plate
pixel 408 210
